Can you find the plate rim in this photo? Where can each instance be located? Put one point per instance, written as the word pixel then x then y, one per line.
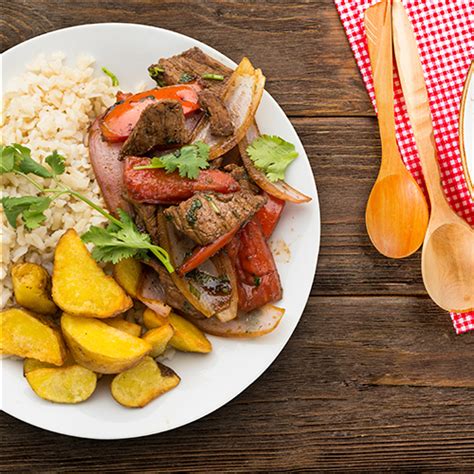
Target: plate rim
pixel 317 238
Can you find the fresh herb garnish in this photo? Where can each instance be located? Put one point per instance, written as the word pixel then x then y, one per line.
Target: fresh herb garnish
pixel 257 280
pixel 186 77
pixel 155 72
pixel 113 77
pixel 120 239
pixel 188 160
pixel 214 77
pixel 272 155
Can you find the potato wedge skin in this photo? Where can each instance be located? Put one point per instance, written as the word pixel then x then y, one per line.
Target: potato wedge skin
pixel 138 386
pixel 68 384
pixel 100 347
pixel 187 337
pixel 24 334
pixel 152 320
pixel 32 288
pixel 125 326
pixel 159 339
pixel 127 273
pixel 80 286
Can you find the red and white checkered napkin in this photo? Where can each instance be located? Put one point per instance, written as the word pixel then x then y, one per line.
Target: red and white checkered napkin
pixel 444 30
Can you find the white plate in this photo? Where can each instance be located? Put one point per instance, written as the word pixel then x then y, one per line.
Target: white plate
pixel 466 129
pixel 207 381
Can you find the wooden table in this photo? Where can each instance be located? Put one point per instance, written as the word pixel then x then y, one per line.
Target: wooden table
pixel 374 377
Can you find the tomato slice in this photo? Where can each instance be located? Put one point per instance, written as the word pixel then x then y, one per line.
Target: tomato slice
pixel 269 215
pixel 119 121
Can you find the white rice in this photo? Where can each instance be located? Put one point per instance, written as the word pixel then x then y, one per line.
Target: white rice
pixel 50 107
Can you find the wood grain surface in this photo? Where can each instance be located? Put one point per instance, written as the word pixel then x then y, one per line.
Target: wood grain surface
pixel 374 377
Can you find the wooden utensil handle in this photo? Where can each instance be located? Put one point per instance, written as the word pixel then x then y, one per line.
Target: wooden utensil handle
pixel 416 98
pixel 378 30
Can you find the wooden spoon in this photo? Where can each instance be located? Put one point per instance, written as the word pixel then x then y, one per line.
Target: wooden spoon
pixel 397 213
pixel 447 260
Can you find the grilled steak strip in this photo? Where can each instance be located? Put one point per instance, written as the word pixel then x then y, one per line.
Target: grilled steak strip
pixel 207 216
pixel 191 65
pixel 219 117
pixel 161 123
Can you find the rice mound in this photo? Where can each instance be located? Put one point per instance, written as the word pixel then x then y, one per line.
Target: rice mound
pixel 50 107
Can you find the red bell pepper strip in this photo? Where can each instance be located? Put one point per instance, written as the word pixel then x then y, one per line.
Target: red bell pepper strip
pixel 119 121
pixel 156 186
pixel 258 281
pixel 201 254
pixel 269 215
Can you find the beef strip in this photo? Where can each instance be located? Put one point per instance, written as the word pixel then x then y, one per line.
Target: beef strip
pixel 173 297
pixel 191 65
pixel 145 219
pixel 219 117
pixel 240 175
pixel 207 216
pixel 161 123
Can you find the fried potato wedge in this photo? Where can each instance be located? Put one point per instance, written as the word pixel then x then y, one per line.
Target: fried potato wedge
pixel 128 273
pixel 125 326
pixel 153 320
pixel 159 338
pixel 80 286
pixel 100 347
pixel 32 288
pixel 141 384
pixel 25 334
pixel 187 337
pixel 68 384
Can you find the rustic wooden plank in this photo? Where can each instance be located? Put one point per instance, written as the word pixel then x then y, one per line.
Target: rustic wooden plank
pixel 345 156
pixel 320 406
pixel 300 46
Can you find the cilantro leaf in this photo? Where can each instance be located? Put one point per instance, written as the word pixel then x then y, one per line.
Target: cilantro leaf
pixel 28 165
pixel 113 77
pixel 31 209
pixel 117 242
pixel 56 162
pixel 188 160
pixel 7 161
pixel 272 155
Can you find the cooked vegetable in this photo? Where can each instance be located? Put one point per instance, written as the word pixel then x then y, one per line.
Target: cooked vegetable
pixel 214 77
pixel 108 169
pixel 153 320
pixel 272 155
pixel 242 98
pixel 140 385
pixel 187 337
pixel 159 338
pixel 201 254
pixel 279 189
pixel 257 275
pixel 80 286
pixel 127 273
pixel 156 186
pixel 269 215
pixel 125 326
pixel 100 347
pixel 113 77
pixel 151 293
pixel 67 384
pixel 256 323
pixel 188 160
pixel 119 121
pixel 24 334
pixel 156 73
pixel 32 288
pixel 226 267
